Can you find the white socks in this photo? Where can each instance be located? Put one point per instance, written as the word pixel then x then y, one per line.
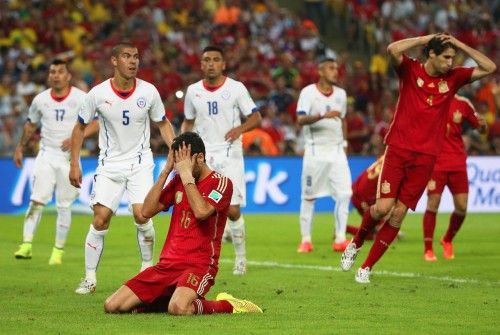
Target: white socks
pixel 94 245
pixel 63 223
pixel 341 215
pixel 31 221
pixel 238 234
pixel 146 241
pixel 306 214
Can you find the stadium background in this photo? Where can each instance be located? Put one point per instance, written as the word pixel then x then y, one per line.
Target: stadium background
pixel 270 45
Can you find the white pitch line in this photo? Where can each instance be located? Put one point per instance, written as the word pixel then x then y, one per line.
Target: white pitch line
pixel 270 264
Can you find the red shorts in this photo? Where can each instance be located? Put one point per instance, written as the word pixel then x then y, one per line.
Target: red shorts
pixel 404 175
pixel 161 280
pixel 456 181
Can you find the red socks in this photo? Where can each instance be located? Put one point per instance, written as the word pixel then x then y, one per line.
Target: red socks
pixel 384 238
pixel 202 306
pixel 456 221
pixel 367 226
pixel 429 224
pixel 351 229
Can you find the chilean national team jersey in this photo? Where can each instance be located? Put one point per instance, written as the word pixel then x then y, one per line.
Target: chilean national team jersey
pixel 217 110
pixel 365 186
pixel 123 120
pixel 56 116
pixel 324 135
pixel 453 156
pixel 419 122
pixel 189 240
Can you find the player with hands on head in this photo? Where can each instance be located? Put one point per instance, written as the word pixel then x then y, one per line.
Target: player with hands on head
pixel 188 263
pixel 415 137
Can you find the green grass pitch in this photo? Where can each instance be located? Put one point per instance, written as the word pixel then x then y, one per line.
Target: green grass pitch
pixel 300 293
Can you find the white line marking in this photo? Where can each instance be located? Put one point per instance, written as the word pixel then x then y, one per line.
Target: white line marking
pixel 269 264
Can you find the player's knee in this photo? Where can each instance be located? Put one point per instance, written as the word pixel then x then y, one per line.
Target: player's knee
pixel 234 213
pixel 381 210
pixel 100 223
pixel 174 308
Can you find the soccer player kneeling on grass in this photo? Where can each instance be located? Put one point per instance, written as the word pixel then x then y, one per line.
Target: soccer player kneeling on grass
pixel 189 260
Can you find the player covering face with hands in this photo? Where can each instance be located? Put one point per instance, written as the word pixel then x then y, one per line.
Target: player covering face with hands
pixel 188 262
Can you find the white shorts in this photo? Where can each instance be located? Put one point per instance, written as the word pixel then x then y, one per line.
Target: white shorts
pixel 326 177
pixel 111 181
pixel 51 172
pixel 231 165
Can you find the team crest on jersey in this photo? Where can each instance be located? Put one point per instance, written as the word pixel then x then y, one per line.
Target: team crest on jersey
pixel 215 196
pixel 431 185
pixel 386 187
pixel 226 95
pixel 178 197
pixel 141 102
pixel 457 117
pixel 420 82
pixel 443 86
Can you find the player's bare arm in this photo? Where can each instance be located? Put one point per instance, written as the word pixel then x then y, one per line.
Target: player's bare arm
pixel 253 121
pixel 75 173
pixel 184 164
pixel 485 65
pixel 93 128
pixel 166 131
pixel 398 48
pixel 152 204
pixel 187 125
pixel 28 131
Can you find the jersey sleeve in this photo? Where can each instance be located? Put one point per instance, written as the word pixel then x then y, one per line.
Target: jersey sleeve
pixel 403 68
pixel 470 114
pixel 88 109
pixel 304 103
pixel 462 76
pixel 245 103
pixel 220 194
pixel 189 110
pixel 343 108
pixel 34 112
pixel 157 109
pixel 168 193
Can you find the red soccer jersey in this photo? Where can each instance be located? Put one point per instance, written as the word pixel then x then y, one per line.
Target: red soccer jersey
pixel 364 187
pixel 419 122
pixel 189 240
pixel 453 156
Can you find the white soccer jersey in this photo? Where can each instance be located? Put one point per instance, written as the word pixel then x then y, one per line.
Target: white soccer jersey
pixel 56 116
pixel 123 120
pixel 326 134
pixel 217 110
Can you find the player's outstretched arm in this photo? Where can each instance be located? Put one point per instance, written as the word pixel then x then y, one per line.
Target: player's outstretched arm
pixel 152 204
pixel 184 163
pixel 398 48
pixel 28 131
pixel 166 131
pixel 485 65
pixel 75 173
pixel 253 121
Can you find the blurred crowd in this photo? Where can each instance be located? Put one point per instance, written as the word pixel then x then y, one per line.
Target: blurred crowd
pixel 270 49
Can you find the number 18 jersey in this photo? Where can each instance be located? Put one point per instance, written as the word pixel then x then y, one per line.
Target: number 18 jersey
pixel 216 110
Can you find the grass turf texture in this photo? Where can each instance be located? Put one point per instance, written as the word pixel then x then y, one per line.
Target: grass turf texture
pixel 300 294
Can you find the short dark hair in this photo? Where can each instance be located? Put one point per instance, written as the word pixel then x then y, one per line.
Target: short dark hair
pixel 213 48
pixel 437 45
pixel 59 61
pixel 120 46
pixel 189 137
